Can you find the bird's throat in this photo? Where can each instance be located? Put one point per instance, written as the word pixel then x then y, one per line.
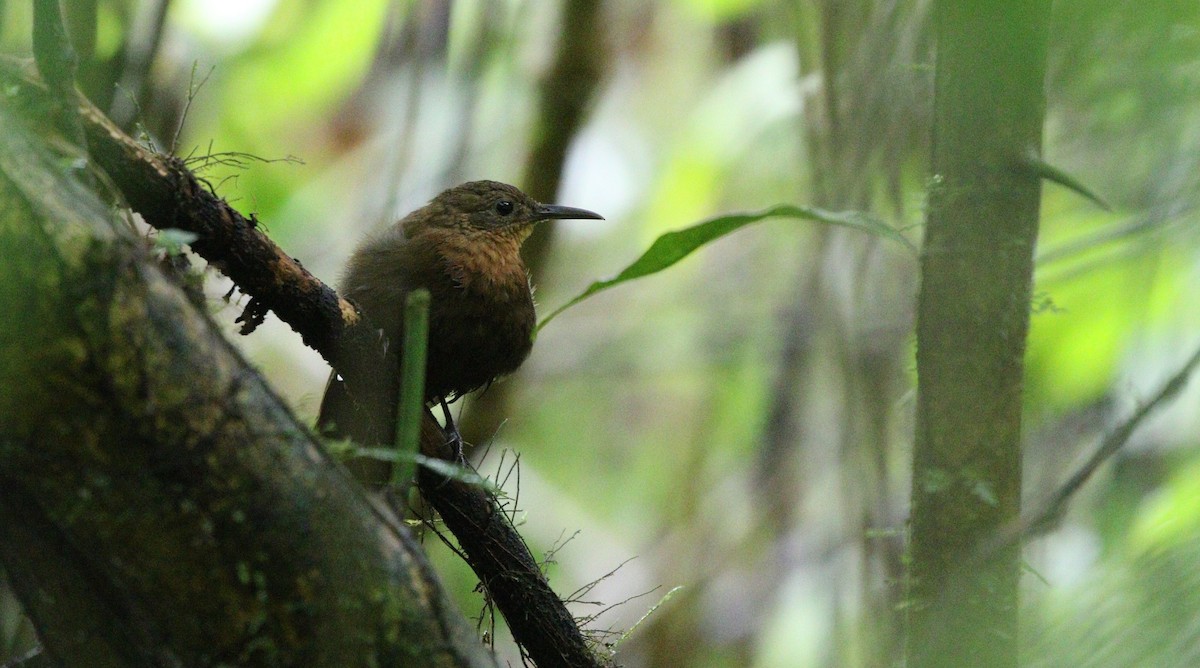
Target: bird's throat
pixel 486 260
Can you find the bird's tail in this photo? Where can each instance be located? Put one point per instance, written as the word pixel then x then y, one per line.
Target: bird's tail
pixel 345 417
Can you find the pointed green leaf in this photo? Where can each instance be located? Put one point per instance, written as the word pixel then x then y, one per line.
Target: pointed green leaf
pixel 172 239
pixel 678 244
pixel 1051 173
pixel 441 467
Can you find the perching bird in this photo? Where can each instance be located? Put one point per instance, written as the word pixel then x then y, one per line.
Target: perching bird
pixel 464 247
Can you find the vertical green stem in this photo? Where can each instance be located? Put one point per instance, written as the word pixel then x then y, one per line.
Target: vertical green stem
pixel 972 320
pixel 412 384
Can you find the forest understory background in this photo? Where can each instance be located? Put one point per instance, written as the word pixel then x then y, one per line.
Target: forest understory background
pixel 742 425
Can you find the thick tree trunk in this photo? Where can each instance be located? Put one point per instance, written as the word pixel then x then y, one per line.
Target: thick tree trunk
pixel 158 504
pixel 973 315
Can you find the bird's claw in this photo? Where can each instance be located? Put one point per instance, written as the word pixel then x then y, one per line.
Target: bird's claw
pixel 454 437
pixel 455 440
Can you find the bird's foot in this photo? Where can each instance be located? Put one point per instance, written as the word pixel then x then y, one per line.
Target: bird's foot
pixel 455 437
pixel 456 441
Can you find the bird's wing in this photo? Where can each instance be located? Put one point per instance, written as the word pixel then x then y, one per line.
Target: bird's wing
pixel 342 417
pixel 378 277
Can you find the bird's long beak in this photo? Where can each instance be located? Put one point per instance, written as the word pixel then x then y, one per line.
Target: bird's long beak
pixel 549 211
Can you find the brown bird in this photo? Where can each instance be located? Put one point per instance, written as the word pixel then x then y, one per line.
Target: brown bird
pixel 464 247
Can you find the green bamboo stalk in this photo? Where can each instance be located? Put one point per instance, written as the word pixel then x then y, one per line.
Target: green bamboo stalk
pixel 412 385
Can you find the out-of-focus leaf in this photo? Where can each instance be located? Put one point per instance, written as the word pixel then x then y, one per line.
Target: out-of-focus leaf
pixel 173 239
pixel 678 244
pixel 457 472
pixel 441 467
pixel 1051 173
pixel 654 608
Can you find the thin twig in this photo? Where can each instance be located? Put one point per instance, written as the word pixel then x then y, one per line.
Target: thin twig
pixel 193 89
pixel 1052 511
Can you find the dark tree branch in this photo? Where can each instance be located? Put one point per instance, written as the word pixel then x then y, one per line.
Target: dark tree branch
pixel 539 621
pixel 167 195
pixel 159 505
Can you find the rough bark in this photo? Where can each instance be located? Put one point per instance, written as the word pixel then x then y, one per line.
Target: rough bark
pixel 166 194
pixel 973 315
pixel 158 504
pixel 540 624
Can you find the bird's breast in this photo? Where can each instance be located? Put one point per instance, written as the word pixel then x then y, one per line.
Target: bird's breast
pixel 482 317
pixel 484 263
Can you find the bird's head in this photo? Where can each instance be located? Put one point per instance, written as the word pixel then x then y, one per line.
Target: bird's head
pixel 491 206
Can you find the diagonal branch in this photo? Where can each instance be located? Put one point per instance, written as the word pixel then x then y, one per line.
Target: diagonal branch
pixel 1053 509
pixel 168 195
pixel 159 505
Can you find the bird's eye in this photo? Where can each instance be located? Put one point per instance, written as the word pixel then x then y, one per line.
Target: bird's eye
pixel 504 207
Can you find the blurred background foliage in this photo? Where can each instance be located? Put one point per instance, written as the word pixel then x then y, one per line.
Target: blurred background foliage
pixel 740 425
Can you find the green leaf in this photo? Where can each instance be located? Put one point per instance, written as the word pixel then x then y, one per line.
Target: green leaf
pixel 456 472
pixel 444 468
pixel 1053 174
pixel 936 480
pixel 678 244
pixel 982 490
pixel 173 239
pixel 654 608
